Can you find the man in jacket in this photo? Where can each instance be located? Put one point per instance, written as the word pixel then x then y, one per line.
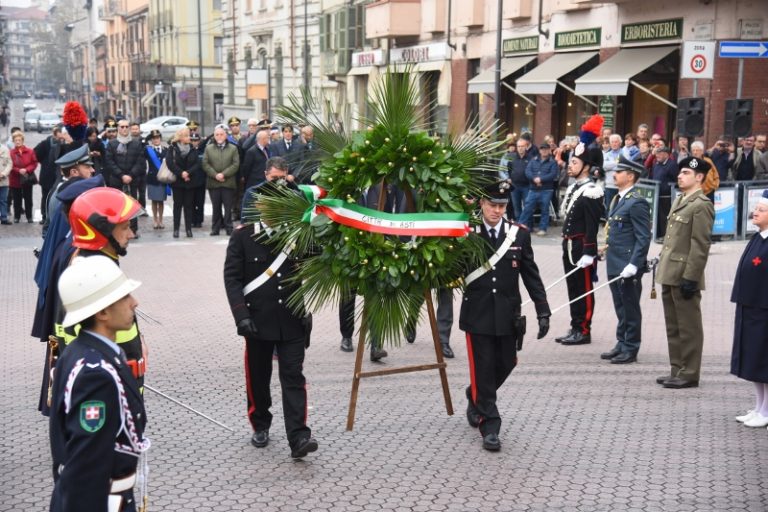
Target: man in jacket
pixel 681 274
pixel 628 241
pixel 125 165
pixel 221 161
pixel 516 166
pixel 288 148
pixel 47 151
pixel 665 171
pixel 255 160
pixel 259 281
pixel 541 172
pixel 490 311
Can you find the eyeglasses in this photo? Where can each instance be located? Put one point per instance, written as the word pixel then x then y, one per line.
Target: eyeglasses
pixel 122 126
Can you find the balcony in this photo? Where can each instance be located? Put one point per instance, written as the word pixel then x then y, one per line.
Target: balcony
pixel 336 63
pixel 433 14
pixel 572 5
pixel 148 72
pixel 517 9
pixel 469 13
pixel 393 18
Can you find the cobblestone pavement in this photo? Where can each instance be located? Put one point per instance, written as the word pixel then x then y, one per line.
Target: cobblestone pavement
pixel 578 434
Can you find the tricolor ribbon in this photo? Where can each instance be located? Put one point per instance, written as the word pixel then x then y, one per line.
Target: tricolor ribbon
pixel 374 221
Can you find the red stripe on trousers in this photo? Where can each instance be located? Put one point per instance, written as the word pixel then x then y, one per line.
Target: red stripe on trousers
pixel 471 359
pixel 589 299
pixel 252 406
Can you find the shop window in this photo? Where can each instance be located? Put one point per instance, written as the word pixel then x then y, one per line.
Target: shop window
pixel 572 112
pixel 647 109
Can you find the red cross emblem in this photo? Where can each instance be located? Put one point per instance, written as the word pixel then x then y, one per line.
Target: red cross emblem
pixel 92 413
pixel 756 261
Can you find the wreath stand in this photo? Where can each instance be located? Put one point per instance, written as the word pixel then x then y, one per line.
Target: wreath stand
pixel 440 365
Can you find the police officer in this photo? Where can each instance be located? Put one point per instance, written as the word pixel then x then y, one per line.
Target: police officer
pixel 97 414
pixel 628 241
pixel 681 274
pixel 582 210
pixel 490 311
pixel 258 283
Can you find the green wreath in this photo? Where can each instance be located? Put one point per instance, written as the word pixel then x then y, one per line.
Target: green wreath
pixel 392 273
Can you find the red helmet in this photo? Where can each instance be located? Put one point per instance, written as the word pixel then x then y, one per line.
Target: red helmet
pixel 96 212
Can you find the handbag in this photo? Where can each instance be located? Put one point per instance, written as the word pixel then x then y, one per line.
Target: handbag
pixel 28 179
pixel 164 174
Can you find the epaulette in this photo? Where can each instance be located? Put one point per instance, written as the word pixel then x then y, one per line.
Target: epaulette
pixel 593 192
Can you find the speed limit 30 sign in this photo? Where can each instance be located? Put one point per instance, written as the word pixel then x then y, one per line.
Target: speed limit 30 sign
pixel 698 60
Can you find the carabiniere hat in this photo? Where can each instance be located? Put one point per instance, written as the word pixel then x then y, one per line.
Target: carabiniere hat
pixel 697 165
pixel 192 125
pixel 75 157
pixel 154 134
pixel 497 193
pixel 625 164
pixel 233 120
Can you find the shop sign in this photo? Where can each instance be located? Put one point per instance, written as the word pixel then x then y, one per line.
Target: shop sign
pixel 423 53
pixel 528 44
pixel 371 58
pixel 652 31
pixel 607 108
pixel 577 38
pixel 751 29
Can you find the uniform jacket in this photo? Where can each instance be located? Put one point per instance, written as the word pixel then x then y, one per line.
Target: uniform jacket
pixel 124 160
pixel 491 303
pixel 582 209
pixel 751 283
pixel 190 162
pixel 224 160
pixel 86 458
pixel 248 256
pixel 22 158
pixel 629 233
pixel 152 169
pixel 254 165
pixel 686 244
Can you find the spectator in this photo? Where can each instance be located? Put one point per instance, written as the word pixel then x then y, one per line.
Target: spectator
pixel 5 171
pixel 125 165
pixel 184 163
pixel 721 154
pixel 288 148
pixel 135 130
pixel 610 160
pixel 22 178
pixel 250 138
pixel 681 152
pixel 518 162
pixel 542 176
pixel 255 160
pixel 644 155
pixel 760 142
pixel 747 161
pixel 630 149
pixel 221 162
pixel 664 171
pixel 642 132
pixel 532 149
pixel 155 153
pixel 96 148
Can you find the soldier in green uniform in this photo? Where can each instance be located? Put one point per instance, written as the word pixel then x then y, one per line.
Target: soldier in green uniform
pixel 681 274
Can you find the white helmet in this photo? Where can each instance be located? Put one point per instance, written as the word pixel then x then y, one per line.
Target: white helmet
pixel 90 285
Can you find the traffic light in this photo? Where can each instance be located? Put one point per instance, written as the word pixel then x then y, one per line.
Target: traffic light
pixel 690 117
pixel 738 118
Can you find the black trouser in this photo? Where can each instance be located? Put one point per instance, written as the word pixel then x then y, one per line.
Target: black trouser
pixel 183 199
pixel 132 189
pixel 626 301
pixel 491 360
pixel 198 203
pixel 347 316
pixel 258 374
pixel 44 199
pixel 141 190
pixel 665 203
pixel 17 195
pixel 579 283
pixel 221 197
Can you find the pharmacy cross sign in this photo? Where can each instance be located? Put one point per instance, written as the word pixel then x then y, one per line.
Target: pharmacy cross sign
pixel 744 49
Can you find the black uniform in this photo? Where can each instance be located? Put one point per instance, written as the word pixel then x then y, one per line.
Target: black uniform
pixel 490 312
pixel 249 256
pixel 96 428
pixel 582 209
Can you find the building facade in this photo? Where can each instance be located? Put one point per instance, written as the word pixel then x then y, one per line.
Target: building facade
pixel 20 25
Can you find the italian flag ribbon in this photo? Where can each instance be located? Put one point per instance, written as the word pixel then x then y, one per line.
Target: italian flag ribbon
pixel 374 221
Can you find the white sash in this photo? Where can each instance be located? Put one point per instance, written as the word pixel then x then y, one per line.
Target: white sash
pixel 270 271
pixel 485 267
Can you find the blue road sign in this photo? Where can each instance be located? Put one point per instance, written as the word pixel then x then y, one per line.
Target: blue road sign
pixel 744 49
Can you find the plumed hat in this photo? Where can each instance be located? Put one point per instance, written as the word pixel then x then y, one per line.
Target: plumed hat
pixel 75 120
pixel 587 135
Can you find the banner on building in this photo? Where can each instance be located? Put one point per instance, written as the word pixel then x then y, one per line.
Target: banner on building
pixel 257 84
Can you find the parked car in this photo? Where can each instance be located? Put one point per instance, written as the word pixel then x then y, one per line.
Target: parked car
pixel 29 105
pixel 30 120
pixel 20 94
pixel 47 121
pixel 168 125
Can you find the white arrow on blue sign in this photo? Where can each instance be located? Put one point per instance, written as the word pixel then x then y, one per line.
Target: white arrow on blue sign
pixel 744 49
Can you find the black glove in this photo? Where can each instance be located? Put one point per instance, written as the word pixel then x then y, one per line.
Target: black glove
pixel 688 288
pixel 247 328
pixel 543 327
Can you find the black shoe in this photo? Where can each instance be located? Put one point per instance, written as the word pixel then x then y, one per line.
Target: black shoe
pixel 346 345
pixel 229 231
pixel 30 221
pixel 624 358
pixel 260 438
pixel 410 336
pixel 145 214
pixel 214 233
pixel 560 339
pixel 678 383
pixel 663 379
pixel 610 355
pixel 577 339
pixel 6 222
pixel 303 447
pixel 175 233
pixel 491 442
pixel 189 233
pixel 42 222
pixel 447 352
pixel 377 354
pixel 473 418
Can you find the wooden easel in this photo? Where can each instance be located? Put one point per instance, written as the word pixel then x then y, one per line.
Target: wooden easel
pixel 440 365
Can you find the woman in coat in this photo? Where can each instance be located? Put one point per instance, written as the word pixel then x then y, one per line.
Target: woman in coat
pixel 749 358
pixel 184 163
pixel 155 153
pixel 220 163
pixel 22 177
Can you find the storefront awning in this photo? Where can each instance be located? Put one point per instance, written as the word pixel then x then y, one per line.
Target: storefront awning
pixel 485 82
pixel 146 100
pixel 360 70
pixel 543 79
pixel 433 65
pixel 612 77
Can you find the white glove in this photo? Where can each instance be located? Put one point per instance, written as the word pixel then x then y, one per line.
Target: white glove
pixel 629 271
pixel 585 261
